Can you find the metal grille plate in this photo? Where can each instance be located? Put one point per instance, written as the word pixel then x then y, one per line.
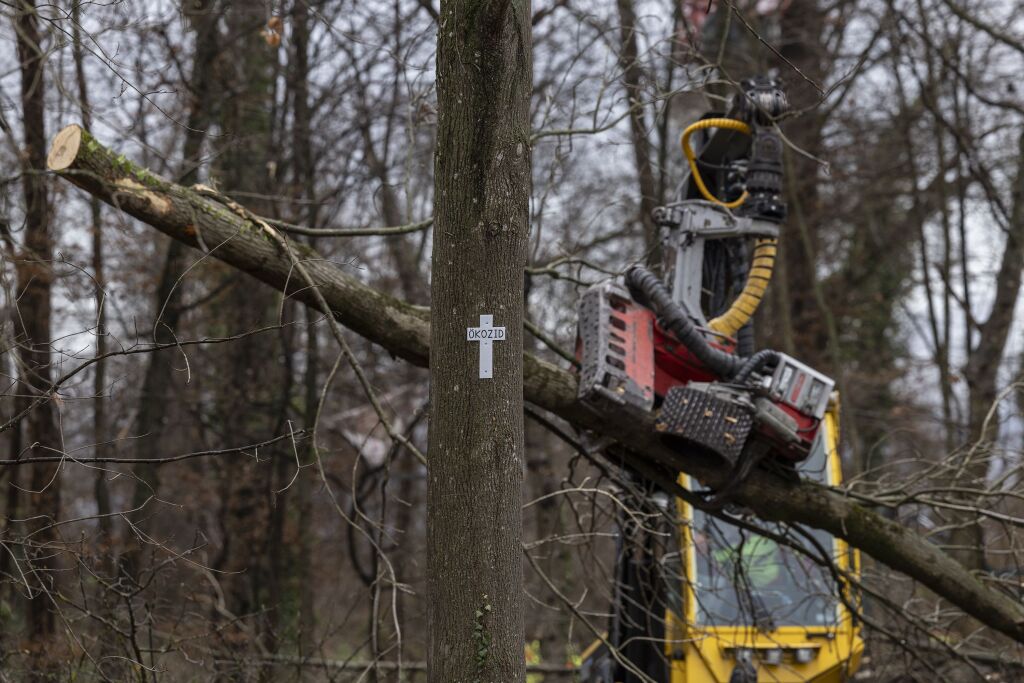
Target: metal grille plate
pixel 703 420
pixel 616 349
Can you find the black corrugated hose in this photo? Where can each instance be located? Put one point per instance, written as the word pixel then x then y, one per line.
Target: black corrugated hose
pixel 756 363
pixel 649 291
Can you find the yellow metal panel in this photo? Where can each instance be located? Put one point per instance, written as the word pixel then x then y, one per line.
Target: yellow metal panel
pixel 708 652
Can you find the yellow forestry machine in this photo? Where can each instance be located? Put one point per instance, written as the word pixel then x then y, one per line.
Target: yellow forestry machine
pixel 712 595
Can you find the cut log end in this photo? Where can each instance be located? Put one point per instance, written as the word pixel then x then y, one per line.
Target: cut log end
pixel 65 148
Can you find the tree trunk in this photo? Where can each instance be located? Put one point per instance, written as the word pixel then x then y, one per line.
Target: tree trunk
pixel 99 417
pixel 251 512
pixel 982 373
pixel 151 417
pixel 404 331
pixel 304 180
pixel 481 208
pixel 35 276
pixel 632 73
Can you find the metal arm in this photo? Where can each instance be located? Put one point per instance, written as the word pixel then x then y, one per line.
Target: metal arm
pixel 752 163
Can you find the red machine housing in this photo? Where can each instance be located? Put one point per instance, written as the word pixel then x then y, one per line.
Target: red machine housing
pixel 628 359
pixel 674 364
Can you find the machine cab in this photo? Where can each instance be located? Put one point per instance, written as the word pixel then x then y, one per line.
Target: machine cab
pixel 748 598
pixel 739 603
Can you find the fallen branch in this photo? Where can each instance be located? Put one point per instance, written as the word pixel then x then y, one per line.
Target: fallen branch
pixel 403 329
pixel 366 665
pixel 348 232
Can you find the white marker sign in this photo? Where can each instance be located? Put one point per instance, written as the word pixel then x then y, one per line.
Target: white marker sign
pixel 486 334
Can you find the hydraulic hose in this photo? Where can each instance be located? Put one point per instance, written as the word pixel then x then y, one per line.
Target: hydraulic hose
pixel 647 289
pixel 755 363
pixel 745 341
pixel 745 305
pixel 684 141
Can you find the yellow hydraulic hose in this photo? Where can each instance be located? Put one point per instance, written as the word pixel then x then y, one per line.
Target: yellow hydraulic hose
pixel 739 314
pixel 745 305
pixel 731 124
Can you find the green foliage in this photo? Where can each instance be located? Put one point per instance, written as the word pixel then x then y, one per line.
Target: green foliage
pixel 481 636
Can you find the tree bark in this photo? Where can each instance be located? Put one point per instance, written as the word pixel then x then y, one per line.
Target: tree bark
pixel 35 278
pixel 404 330
pixel 251 513
pixel 304 176
pixel 481 208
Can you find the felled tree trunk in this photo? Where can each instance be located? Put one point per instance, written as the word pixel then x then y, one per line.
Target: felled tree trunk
pixel 404 330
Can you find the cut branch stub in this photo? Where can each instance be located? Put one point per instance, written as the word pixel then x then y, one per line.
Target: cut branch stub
pixel 65 148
